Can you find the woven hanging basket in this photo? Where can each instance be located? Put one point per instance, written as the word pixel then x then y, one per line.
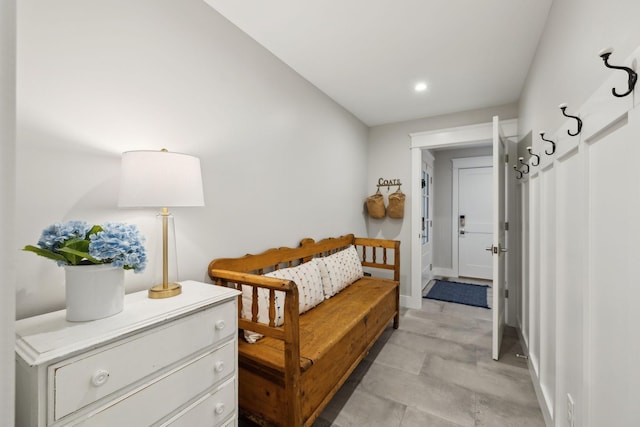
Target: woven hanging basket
pixel 375 206
pixel 396 205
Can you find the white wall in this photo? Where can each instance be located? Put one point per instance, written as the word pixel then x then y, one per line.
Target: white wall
pixel 281 161
pixel 578 325
pixel 7 212
pixel 390 157
pixel 567 67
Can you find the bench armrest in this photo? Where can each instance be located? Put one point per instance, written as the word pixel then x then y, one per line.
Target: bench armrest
pixel 240 280
pixel 289 332
pixel 373 250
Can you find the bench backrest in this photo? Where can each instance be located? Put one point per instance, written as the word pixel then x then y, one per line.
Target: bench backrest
pixel 375 253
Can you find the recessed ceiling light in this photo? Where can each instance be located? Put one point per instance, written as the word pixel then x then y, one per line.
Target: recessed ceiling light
pixel 420 87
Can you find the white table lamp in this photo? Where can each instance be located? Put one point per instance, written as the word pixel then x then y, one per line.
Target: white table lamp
pixel 161 179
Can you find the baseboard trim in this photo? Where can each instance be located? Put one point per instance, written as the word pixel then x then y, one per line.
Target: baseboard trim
pixel 546 414
pixel 424 286
pixel 444 272
pixel 410 302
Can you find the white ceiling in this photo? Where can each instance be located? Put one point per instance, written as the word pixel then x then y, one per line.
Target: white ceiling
pixel 367 55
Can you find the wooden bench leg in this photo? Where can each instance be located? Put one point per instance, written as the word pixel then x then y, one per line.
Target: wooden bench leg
pixel 396 318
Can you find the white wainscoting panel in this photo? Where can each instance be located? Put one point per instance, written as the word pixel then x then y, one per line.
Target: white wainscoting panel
pixel 524 227
pixel 547 285
pixel 614 285
pixel 571 277
pixel 534 274
pixel 581 257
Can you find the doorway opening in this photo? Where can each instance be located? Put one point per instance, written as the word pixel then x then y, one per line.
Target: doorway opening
pixel 490 135
pixel 461 225
pixel 441 144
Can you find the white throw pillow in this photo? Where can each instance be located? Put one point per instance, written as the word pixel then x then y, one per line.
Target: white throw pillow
pixel 339 270
pixel 307 277
pixel 310 293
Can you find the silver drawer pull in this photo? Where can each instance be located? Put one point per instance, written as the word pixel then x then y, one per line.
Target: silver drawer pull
pixel 99 377
pixel 219 366
pixel 219 408
pixel 220 325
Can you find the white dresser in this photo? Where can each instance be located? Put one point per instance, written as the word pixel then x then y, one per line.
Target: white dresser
pixel 164 362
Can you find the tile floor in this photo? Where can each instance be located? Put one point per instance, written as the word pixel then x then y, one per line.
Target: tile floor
pixel 436 370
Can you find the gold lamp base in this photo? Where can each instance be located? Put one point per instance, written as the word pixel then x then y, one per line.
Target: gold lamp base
pixel 165 291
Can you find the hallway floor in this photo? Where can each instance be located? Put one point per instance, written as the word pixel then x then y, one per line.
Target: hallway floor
pixel 436 370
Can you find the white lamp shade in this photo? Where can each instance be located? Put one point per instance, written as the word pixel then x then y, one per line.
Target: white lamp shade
pixel 160 179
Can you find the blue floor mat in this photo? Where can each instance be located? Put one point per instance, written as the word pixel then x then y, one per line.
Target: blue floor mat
pixel 459 293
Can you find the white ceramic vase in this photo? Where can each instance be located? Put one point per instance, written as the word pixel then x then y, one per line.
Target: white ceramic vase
pixel 93 291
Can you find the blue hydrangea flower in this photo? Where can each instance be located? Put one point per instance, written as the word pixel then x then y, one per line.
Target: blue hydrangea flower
pixel 121 244
pixel 55 235
pixel 80 243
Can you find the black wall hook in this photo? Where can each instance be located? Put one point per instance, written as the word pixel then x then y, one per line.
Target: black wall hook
pixel 534 155
pixel 553 144
pixel 563 107
pixel 515 168
pixel 633 76
pixel 521 160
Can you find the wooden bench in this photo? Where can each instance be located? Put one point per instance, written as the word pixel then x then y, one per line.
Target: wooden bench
pixel 290 375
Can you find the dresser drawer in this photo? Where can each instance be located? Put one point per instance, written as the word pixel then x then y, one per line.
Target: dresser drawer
pixel 212 410
pixel 151 402
pixel 78 382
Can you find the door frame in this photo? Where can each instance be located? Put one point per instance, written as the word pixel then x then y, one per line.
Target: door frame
pixel 457 137
pixel 499 241
pixel 457 164
pixel 428 163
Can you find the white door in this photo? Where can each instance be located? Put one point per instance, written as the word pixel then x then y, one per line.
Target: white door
pixel 474 222
pixel 497 248
pixel 427 222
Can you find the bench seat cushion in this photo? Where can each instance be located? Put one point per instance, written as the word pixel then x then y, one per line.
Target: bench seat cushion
pixel 361 306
